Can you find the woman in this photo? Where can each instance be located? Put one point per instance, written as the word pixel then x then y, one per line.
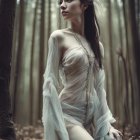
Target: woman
pixel 74 99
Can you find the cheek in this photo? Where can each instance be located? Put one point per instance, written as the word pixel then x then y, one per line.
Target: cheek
pixel 75 8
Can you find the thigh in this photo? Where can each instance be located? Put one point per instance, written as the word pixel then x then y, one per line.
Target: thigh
pixel 77 132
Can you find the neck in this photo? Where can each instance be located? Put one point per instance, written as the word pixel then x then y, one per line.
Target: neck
pixel 77 25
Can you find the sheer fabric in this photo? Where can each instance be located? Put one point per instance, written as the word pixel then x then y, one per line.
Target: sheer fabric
pixel 73 91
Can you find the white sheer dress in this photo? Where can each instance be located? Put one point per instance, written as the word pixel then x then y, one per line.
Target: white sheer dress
pixel 73 91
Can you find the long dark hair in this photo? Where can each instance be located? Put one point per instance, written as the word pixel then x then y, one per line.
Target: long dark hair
pixel 92 29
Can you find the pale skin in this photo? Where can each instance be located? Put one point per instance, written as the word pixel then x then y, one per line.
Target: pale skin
pixel 75 16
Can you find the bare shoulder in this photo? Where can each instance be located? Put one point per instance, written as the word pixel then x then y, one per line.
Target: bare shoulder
pixel 57 34
pixel 101 49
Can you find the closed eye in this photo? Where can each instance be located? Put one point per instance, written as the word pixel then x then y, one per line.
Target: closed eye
pixel 60 1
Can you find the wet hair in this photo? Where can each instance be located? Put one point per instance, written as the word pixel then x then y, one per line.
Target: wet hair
pixel 92 30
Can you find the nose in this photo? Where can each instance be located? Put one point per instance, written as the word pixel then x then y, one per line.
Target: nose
pixel 63 5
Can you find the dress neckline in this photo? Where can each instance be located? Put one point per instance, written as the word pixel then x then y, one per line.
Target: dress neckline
pixel 80 37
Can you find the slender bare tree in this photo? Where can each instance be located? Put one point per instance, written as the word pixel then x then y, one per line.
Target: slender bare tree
pixel 7 14
pixel 41 56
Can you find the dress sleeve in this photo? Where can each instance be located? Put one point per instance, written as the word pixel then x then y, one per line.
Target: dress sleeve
pixel 103 116
pixel 52 115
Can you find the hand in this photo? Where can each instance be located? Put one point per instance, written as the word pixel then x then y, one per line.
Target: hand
pixel 115 134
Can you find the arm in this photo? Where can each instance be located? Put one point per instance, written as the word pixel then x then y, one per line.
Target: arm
pixel 100 88
pixel 52 115
pixel 103 116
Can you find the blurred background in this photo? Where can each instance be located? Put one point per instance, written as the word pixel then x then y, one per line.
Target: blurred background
pixel 120 34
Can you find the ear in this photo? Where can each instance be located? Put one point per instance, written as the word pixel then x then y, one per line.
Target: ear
pixel 85 6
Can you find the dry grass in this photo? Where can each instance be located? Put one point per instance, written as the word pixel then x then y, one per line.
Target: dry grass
pixel 29 132
pixel 36 132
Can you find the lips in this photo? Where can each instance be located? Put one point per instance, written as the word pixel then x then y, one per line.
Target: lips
pixel 64 12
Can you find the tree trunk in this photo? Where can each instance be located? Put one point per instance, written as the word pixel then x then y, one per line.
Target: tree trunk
pixel 111 53
pixel 18 71
pixel 136 42
pixel 41 55
pixel 31 62
pixel 7 14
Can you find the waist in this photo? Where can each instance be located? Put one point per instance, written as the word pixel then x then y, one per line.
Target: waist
pixel 75 110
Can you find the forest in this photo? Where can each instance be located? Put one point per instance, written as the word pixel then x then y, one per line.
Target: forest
pixel 25 26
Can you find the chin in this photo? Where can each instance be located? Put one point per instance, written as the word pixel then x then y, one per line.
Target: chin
pixel 67 19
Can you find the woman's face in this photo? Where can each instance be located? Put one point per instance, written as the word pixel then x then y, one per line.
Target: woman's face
pixel 71 9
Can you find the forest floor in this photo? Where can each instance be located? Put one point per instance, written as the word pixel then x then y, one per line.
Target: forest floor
pixel 130 132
